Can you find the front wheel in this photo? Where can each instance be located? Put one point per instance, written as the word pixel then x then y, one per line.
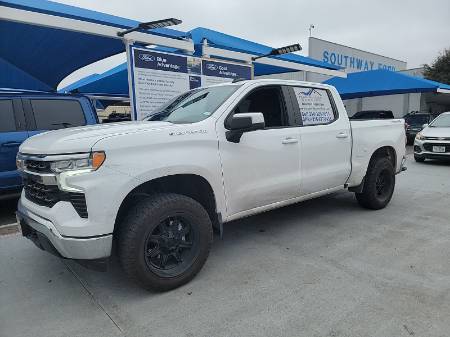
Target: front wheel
pixel 378 185
pixel 164 241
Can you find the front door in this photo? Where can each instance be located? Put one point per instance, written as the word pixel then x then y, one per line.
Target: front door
pixel 264 167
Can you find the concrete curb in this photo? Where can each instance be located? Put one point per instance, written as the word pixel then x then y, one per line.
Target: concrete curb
pixel 10 229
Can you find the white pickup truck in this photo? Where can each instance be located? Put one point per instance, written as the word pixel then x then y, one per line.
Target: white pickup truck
pixel 157 188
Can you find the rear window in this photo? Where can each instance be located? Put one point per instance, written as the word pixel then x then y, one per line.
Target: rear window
pixel 417 120
pixel 8 123
pixel 52 114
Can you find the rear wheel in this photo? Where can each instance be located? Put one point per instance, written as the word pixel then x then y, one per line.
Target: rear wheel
pixel 379 184
pixel 164 241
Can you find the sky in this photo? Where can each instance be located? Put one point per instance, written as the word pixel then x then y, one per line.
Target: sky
pixel 414 31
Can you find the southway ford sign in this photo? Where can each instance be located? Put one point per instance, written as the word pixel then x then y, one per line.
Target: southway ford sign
pixel 351 59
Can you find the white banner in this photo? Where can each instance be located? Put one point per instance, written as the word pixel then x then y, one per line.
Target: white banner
pixel 157 77
pixel 315 106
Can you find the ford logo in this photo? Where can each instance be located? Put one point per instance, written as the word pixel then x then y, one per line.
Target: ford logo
pixel 147 57
pixel 211 66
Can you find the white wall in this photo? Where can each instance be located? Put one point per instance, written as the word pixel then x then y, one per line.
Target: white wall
pixel 395 103
pixel 400 105
pixel 296 76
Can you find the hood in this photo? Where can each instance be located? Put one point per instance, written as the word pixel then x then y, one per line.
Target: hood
pixel 436 132
pixel 81 139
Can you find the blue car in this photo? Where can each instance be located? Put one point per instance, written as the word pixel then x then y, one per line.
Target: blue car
pixel 24 114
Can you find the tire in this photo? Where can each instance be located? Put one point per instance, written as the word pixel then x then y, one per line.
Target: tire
pixel 164 241
pixel 379 184
pixel 419 159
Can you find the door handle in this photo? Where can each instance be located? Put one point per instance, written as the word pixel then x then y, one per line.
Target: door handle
pixel 11 144
pixel 342 135
pixel 289 140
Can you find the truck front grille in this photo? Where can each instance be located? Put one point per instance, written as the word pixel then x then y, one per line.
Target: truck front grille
pixel 429 146
pixel 37 166
pixel 78 202
pixel 44 195
pixel 49 195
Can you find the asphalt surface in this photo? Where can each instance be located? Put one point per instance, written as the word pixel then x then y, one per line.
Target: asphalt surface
pixel 324 267
pixel 7 210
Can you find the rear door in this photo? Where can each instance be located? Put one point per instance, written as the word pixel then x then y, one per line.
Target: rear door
pixel 325 139
pixel 12 134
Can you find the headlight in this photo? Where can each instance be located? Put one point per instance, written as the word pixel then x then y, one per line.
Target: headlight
pixel 20 163
pixel 419 136
pixel 90 163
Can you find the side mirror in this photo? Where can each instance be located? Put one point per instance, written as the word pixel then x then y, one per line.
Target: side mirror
pixel 243 122
pixel 424 126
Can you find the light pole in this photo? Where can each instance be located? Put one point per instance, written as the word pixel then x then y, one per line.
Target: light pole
pixel 280 51
pixel 151 25
pixel 311 27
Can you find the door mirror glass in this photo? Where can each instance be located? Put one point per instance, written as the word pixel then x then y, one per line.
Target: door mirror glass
pixel 243 122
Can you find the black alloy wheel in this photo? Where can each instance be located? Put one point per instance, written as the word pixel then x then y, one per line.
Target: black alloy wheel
pixel 171 246
pixel 164 240
pixel 383 184
pixel 379 184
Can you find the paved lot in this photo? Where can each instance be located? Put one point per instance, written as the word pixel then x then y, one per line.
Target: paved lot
pixel 321 268
pixel 7 209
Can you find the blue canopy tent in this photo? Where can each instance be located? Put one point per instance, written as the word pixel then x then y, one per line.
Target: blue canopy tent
pixel 115 81
pixel 383 82
pixel 232 43
pixel 42 41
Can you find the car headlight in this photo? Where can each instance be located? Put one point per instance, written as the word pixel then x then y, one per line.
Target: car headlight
pixel 88 163
pixel 20 163
pixel 420 136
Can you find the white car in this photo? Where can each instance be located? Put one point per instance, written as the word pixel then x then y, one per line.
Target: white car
pixel 158 187
pixel 433 142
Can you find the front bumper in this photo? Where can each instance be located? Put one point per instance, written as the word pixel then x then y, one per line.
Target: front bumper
pixel 423 149
pixel 44 234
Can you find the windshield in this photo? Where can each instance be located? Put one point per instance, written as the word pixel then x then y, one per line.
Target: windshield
pixel 193 106
pixel 417 120
pixel 443 121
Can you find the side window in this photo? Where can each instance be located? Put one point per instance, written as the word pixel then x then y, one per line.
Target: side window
pixel 52 114
pixel 269 102
pixel 8 122
pixel 314 106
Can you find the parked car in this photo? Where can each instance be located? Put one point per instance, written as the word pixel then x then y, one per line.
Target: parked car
pixel 117 117
pixel 158 188
pixel 24 114
pixel 433 142
pixel 373 114
pixel 414 124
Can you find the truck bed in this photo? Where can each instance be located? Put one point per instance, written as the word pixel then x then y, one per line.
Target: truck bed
pixel 369 135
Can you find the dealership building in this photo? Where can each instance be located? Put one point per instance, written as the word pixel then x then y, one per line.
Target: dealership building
pixel 354 60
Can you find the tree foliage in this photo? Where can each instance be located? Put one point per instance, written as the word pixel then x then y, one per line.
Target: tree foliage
pixel 439 70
